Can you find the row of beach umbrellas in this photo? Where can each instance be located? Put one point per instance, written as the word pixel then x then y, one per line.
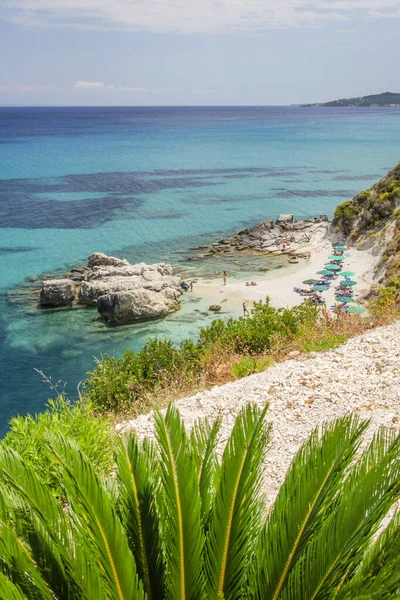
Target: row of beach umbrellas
pixel 355 308
pixel 327 270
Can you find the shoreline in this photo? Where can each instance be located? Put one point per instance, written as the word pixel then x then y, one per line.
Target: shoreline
pixel 278 284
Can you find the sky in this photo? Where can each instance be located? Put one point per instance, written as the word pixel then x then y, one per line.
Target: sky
pixel 196 52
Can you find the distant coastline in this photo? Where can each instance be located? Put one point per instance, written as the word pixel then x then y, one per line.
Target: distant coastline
pixel 386 99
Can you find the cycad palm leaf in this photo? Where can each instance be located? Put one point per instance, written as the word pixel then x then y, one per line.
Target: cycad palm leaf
pixel 203 439
pixel 312 481
pixel 235 517
pixel 136 473
pixel 367 493
pixel 95 516
pixel 180 510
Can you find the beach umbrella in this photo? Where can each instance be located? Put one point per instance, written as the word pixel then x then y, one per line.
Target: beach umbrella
pixel 310 281
pixel 355 309
pixel 324 272
pixel 321 288
pixel 332 267
pixel 341 248
pixel 344 299
pixel 336 258
pixel 335 244
pixel 347 273
pixel 348 283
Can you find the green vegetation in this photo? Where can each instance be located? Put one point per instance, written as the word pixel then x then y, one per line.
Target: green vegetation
pixel 375 214
pixel 177 524
pixel 27 436
pixel 327 342
pixel 384 99
pixel 248 365
pixel 130 383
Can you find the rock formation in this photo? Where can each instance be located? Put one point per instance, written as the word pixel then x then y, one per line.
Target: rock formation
pixel 269 237
pixel 122 292
pixel 371 221
pixel 57 292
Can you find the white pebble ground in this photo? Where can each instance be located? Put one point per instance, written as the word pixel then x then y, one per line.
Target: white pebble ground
pixel 362 376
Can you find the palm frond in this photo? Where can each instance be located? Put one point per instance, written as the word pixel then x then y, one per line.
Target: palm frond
pixel 95 515
pixel 203 438
pixel 19 566
pixel 232 538
pixel 63 559
pixel 378 576
pixel 312 481
pixel 10 591
pixel 136 473
pixel 180 510
pixel 371 486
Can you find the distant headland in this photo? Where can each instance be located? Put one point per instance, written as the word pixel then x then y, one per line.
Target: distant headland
pixel 385 99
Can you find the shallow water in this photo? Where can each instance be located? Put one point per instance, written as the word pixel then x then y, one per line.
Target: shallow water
pixel 143 182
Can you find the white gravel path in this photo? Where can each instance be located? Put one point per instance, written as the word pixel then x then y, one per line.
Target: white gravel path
pixel 362 375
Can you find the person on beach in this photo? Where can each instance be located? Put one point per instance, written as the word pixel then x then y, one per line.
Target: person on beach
pixel 308 255
pixel 191 286
pixel 224 274
pixel 245 309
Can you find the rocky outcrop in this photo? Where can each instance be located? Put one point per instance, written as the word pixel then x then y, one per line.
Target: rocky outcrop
pixel 372 221
pixel 122 292
pixel 124 307
pixel 279 237
pixel 57 292
pixel 97 259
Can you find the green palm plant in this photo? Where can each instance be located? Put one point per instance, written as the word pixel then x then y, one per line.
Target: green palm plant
pixel 184 519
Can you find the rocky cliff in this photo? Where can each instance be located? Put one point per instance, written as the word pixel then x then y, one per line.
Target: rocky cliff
pixel 372 221
pixel 122 292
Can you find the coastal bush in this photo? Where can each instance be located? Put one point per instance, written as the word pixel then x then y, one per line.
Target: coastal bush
pixel 248 365
pixel 28 436
pixel 119 384
pixel 325 342
pixel 255 334
pixel 178 522
pixel 129 384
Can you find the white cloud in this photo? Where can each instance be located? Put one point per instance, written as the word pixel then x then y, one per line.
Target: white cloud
pixel 192 16
pixel 95 85
pixel 88 84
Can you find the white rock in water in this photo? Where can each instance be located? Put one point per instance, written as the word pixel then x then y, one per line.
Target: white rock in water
pixel 99 259
pixel 57 292
pixel 122 292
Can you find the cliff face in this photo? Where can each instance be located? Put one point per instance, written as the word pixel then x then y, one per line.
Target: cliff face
pixel 372 221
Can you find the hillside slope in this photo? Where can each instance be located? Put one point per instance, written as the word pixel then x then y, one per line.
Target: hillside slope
pixel 372 221
pixel 384 99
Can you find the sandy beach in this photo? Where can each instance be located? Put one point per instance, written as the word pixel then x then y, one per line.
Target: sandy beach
pixel 278 284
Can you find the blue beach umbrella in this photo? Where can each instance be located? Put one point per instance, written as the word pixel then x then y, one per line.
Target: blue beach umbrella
pixel 321 288
pixel 344 299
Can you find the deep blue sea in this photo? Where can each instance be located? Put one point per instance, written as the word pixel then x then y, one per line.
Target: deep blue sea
pixel 141 183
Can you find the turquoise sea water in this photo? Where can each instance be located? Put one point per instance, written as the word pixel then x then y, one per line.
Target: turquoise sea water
pixel 141 183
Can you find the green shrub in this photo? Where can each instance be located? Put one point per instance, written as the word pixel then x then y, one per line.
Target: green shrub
pixel 325 343
pixel 119 384
pixel 255 334
pixel 248 365
pixel 28 436
pixel 126 383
